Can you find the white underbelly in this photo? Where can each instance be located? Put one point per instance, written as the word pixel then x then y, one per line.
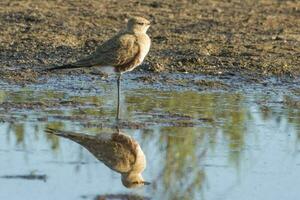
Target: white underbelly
pixel 107 70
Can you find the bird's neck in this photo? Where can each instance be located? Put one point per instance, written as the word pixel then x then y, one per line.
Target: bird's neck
pixel 131 176
pixel 136 31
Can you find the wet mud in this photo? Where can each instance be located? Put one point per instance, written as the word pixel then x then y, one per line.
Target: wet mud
pixel 217 97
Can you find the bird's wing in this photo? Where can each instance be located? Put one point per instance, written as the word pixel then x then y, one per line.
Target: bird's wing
pixel 121 155
pixel 119 50
pixel 126 141
pixel 113 153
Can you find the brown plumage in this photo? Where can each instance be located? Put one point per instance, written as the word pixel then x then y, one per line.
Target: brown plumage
pixel 117 151
pixel 123 52
pixel 120 54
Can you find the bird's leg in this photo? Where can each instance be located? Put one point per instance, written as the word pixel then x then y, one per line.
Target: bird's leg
pixel 118 106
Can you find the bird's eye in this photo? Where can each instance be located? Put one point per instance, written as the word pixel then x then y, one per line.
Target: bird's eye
pixel 140 23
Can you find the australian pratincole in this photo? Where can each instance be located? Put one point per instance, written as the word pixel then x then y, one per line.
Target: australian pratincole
pixel 122 53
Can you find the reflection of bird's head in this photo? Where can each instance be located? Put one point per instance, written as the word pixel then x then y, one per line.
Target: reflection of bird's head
pixel 138 25
pixel 133 180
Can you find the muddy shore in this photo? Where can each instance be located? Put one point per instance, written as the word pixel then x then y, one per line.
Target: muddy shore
pixel 204 37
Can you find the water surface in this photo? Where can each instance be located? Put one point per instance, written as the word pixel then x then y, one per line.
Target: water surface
pixel 212 144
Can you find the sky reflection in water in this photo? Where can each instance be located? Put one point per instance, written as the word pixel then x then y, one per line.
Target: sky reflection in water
pixel 210 145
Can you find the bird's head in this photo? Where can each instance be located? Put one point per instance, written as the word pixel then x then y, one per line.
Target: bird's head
pixel 133 180
pixel 138 25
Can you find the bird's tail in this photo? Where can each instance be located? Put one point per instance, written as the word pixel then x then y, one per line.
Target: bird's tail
pixel 67 66
pixel 85 62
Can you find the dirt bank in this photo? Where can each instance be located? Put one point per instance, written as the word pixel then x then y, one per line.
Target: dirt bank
pixel 207 37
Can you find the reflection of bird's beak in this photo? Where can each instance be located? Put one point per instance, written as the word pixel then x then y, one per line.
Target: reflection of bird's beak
pixel 146 183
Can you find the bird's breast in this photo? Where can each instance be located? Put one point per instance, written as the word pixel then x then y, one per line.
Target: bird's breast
pixel 144 43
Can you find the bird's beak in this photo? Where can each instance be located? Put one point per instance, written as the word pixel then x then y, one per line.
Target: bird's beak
pixel 146 183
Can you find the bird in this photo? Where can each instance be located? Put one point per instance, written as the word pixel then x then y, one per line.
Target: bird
pixel 122 53
pixel 118 151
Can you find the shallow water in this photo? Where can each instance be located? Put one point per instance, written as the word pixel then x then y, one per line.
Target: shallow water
pixel 212 144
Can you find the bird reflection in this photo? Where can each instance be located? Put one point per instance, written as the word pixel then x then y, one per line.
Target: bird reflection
pixel 117 151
